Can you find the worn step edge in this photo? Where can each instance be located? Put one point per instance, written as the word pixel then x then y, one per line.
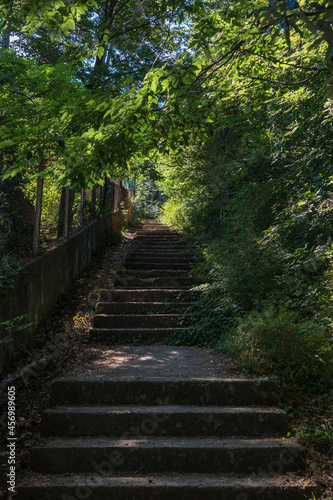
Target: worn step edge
pixel 160 454
pixel 127 307
pixel 153 273
pixel 99 485
pixel 157 265
pixel 173 252
pixel 159 282
pixel 166 287
pixel 167 248
pixel 146 240
pixel 158 235
pixel 130 334
pixel 185 278
pixel 172 294
pixel 159 258
pixel 164 420
pixel 152 320
pixel 167 390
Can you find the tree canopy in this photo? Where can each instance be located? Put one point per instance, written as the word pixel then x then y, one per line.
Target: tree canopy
pixel 138 79
pixel 225 106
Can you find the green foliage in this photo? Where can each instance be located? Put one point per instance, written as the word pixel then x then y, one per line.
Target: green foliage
pixel 9 271
pixel 147 203
pixel 246 269
pixel 14 325
pixel 255 198
pixel 234 119
pixel 213 316
pixel 50 206
pixel 312 432
pixel 279 342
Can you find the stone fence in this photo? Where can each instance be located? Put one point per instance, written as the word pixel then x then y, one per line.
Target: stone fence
pixel 43 280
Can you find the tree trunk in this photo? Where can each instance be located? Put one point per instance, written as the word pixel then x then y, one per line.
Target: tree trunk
pixel 6 32
pixel 39 203
pixel 65 210
pixel 93 203
pixel 104 193
pixel 81 207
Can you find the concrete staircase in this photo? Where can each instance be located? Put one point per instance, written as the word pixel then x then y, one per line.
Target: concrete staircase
pixel 160 437
pixel 151 292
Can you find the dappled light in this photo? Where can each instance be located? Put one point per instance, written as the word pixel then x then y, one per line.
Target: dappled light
pixel 206 126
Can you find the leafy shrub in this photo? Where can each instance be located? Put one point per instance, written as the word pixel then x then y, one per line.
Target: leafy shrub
pixel 9 272
pixel 278 342
pixel 213 315
pixel 246 269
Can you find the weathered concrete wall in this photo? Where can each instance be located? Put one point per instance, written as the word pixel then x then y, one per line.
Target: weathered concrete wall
pixel 43 280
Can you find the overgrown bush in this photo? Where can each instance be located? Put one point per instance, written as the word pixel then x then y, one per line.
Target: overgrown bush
pixel 246 270
pixel 258 206
pixel 9 272
pixel 213 315
pixel 279 342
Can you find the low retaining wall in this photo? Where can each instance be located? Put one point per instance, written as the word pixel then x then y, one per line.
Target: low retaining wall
pixel 115 221
pixel 43 280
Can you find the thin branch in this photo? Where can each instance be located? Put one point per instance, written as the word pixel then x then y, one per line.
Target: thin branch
pixel 160 53
pixel 224 63
pixel 28 97
pixel 116 12
pixel 148 23
pixel 289 16
pixel 278 62
pixel 228 55
pixel 300 82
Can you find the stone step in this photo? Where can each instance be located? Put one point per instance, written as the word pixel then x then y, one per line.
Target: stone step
pixel 127 335
pixel 157 234
pixel 156 231
pixel 153 320
pixel 202 455
pixel 152 235
pixel 151 391
pixel 167 283
pixel 145 294
pixel 150 273
pixel 155 226
pixel 160 254
pixel 138 258
pixel 100 485
pixel 166 247
pixel 158 242
pixel 143 421
pixel 133 307
pixel 141 264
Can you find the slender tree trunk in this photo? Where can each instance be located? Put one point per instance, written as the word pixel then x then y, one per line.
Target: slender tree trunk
pixel 65 210
pixel 39 203
pixel 93 203
pixel 104 194
pixel 81 207
pixel 5 36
